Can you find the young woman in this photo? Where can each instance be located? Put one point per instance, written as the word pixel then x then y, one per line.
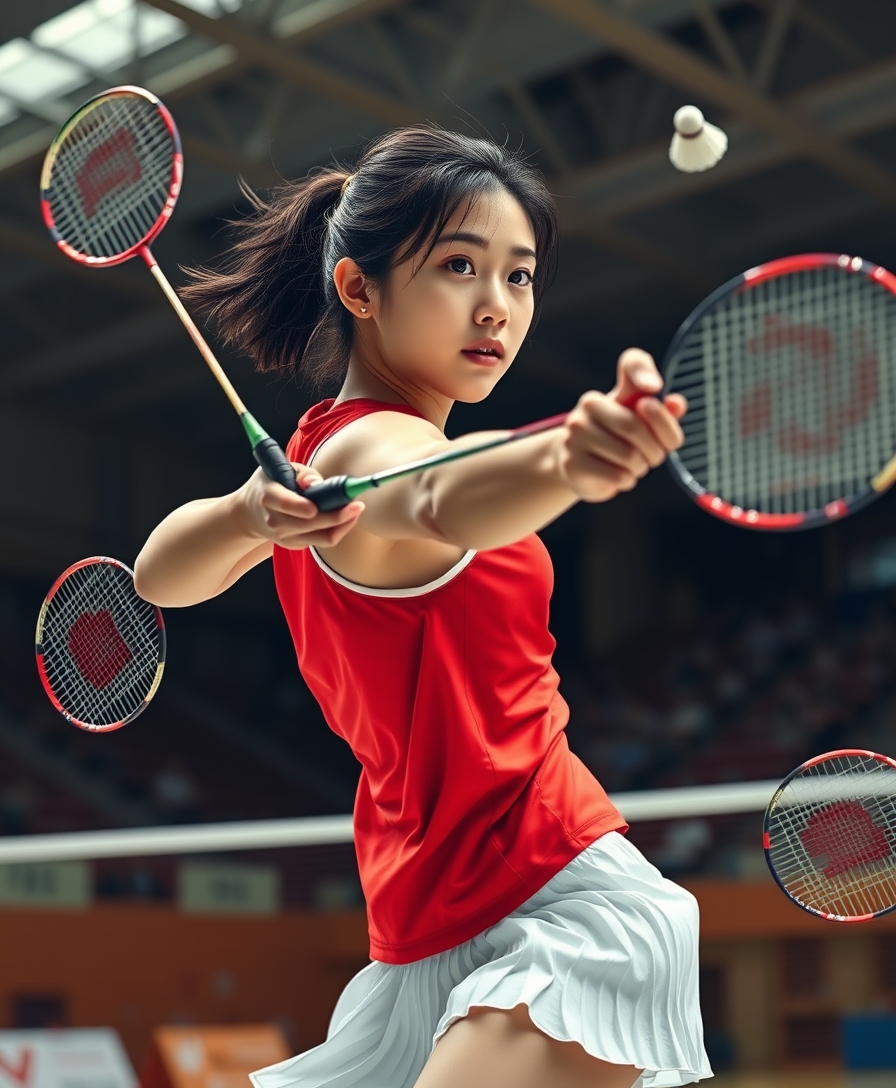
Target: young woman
pixel 517 939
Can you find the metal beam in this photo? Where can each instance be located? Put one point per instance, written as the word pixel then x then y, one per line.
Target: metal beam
pixel 683 68
pixel 110 344
pixel 39 248
pixel 823 28
pixel 779 24
pixel 228 161
pixel 270 54
pixel 719 39
pixel 633 247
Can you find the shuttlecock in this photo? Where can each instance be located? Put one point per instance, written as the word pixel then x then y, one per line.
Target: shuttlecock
pixel 696 145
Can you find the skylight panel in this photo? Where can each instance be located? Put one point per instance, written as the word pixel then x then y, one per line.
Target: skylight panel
pixel 8 112
pixel 212 8
pixel 28 75
pixel 95 36
pixel 158 29
pixel 99 33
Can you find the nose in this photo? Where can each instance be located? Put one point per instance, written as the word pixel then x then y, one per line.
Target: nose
pixel 492 307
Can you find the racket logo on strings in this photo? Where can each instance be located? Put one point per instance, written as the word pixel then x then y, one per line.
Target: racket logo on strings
pixel 843 836
pixel 838 386
pixel 100 647
pixel 111 166
pixel 97 647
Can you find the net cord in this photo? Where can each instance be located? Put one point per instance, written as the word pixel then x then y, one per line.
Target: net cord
pixel 318 830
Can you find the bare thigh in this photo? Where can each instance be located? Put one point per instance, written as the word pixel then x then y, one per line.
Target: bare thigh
pixel 501 1048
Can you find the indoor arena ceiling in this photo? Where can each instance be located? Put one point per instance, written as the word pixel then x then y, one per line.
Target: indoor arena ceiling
pixel 265 89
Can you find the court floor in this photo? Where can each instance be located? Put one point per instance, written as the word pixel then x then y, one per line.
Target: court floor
pixel 883 1079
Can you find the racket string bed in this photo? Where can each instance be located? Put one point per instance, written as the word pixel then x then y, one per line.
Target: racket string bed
pixel 788 385
pixel 111 176
pixel 831 836
pixel 101 646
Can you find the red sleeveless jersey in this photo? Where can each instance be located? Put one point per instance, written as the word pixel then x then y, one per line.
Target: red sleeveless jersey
pixel 469 798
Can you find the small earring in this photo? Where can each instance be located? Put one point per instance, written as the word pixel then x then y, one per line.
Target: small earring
pixel 363 309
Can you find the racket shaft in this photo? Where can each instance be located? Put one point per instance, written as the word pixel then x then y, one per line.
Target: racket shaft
pixel 190 325
pixel 266 451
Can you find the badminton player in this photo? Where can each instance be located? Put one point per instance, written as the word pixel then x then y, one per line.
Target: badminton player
pixel 517 939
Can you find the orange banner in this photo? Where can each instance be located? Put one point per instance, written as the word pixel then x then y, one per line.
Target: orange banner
pixel 211 1057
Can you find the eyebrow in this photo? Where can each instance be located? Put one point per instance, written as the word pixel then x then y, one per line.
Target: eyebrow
pixel 482 243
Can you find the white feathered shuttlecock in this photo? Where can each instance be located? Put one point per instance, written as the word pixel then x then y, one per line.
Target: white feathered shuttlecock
pixel 696 145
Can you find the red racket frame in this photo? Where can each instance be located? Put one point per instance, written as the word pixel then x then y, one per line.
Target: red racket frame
pixel 754 519
pixel 91 727
pixel 174 186
pixel 766 844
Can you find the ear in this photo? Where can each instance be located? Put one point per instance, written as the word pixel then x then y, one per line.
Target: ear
pixel 351 288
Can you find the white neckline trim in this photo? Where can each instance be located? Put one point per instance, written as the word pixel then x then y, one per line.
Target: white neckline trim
pixel 413 591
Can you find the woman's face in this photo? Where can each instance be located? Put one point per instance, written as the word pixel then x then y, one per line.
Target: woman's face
pixel 453 324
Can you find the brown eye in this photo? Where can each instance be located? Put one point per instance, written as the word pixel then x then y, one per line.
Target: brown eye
pixel 522 277
pixel 461 265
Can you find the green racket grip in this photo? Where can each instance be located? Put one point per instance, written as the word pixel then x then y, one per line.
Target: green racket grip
pixel 336 492
pixel 273 461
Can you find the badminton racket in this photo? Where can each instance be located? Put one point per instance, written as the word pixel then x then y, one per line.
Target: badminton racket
pixel 100 647
pixel 790 374
pixel 830 836
pixel 109 184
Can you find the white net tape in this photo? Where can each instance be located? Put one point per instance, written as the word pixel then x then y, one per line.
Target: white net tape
pixel 791 391
pixel 101 645
pixel 832 836
pixel 111 176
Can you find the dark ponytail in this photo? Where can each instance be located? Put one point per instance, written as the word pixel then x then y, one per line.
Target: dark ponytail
pixel 273 296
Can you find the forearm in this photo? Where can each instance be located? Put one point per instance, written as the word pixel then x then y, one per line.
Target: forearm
pixel 196 552
pixel 513 491
pixel 486 501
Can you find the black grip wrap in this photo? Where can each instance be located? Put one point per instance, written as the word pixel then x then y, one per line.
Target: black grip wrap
pixel 273 460
pixel 328 494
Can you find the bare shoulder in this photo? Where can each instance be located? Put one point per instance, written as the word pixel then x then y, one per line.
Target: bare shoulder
pixel 386 549
pixel 377 441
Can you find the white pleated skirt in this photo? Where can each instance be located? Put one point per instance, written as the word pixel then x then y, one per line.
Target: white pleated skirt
pixel 605 954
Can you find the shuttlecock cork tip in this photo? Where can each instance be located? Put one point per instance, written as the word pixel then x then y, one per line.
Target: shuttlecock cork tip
pixel 688 121
pixel 696 145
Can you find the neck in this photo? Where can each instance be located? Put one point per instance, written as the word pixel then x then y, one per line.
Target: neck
pixel 377 382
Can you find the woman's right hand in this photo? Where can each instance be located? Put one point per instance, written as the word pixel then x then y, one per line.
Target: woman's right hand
pixel 605 447
pixel 271 512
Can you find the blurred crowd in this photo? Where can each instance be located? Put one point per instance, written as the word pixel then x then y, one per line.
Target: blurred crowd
pixel 740 695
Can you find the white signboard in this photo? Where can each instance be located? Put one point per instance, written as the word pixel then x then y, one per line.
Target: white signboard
pixel 46 884
pixel 70 1058
pixel 221 888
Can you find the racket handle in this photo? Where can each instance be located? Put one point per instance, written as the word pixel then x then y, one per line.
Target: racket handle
pixel 632 399
pixel 273 460
pixel 329 494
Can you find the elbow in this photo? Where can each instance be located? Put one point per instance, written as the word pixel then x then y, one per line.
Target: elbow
pixel 431 517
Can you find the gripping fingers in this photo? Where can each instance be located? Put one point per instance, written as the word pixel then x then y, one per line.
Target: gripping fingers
pixel 662 419
pixel 324 530
pixel 606 429
pixel 596 480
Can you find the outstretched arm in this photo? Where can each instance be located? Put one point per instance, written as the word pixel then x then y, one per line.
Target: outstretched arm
pixel 202 548
pixel 503 494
